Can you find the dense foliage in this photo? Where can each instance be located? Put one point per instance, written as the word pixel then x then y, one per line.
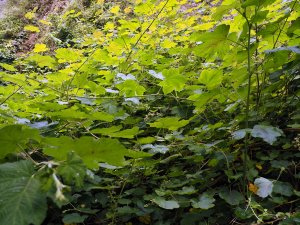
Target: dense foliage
pixel 154 112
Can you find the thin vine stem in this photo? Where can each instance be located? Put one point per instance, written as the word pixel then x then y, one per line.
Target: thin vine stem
pixel 77 70
pixel 247 138
pixel 12 94
pixel 143 33
pixel 280 30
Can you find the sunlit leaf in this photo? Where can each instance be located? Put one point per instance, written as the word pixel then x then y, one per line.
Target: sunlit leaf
pixel 67 55
pixel 130 88
pixel 29 15
pixel 91 151
pixel 173 81
pixel 171 123
pixel 42 61
pixel 211 78
pixel 40 48
pixel 8 67
pixel 32 28
pixel 115 131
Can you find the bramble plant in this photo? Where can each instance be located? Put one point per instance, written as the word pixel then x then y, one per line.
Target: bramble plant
pixel 154 112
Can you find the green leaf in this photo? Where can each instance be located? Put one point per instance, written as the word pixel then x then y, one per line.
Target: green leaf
pixel 259 16
pixel 42 61
pixel 70 113
pixel 32 28
pixel 250 3
pixel 173 81
pixel 256 3
pixel 171 123
pixel 146 140
pixel 222 10
pixel 67 55
pixel 75 113
pixel 211 78
pixel 205 202
pixel 22 201
pixel 72 170
pixel 232 197
pixel 187 191
pixel 220 33
pixel 107 130
pixel 295 26
pixel 130 88
pixel 102 116
pixel 40 48
pixel 91 151
pixel 283 188
pixel 137 154
pixel 8 67
pixel 74 218
pixel 279 164
pixel 127 210
pixel 14 137
pixel 213 42
pixel 170 204
pixel 267 133
pixel 114 131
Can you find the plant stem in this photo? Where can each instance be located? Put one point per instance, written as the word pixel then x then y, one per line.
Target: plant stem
pixel 12 94
pixel 247 138
pixel 280 30
pixel 139 39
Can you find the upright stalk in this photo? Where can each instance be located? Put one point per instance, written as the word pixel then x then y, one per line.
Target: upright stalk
pixel 247 138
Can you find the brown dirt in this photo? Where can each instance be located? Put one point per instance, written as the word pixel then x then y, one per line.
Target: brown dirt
pixel 44 9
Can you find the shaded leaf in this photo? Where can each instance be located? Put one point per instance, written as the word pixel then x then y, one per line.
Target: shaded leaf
pixel 72 170
pixel 171 123
pixel 14 137
pixel 22 201
pixel 283 188
pixel 232 197
pixel 74 218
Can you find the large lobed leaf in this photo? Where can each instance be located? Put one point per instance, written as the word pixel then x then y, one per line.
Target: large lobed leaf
pixel 14 137
pixel 267 133
pixel 90 150
pixel 21 199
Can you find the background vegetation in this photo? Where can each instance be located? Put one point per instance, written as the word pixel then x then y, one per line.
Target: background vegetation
pixel 150 112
